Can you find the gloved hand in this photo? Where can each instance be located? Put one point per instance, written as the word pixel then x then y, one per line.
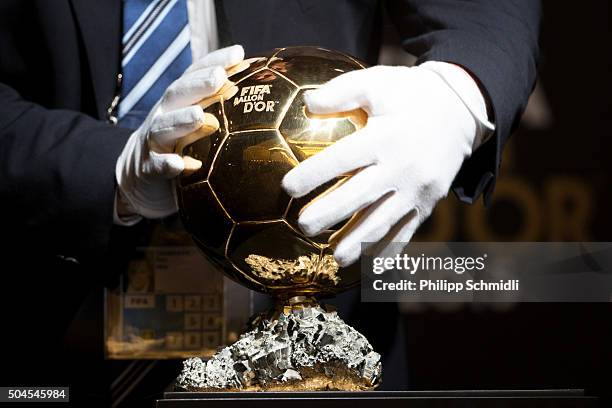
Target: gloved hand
pixel 423 122
pixel 146 167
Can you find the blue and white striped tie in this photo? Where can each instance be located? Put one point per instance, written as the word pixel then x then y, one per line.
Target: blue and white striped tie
pixel 155 52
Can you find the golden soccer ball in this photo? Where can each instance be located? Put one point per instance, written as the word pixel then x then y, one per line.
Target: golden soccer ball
pixel 234 206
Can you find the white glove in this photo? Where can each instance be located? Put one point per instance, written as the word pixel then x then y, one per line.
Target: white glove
pixel 423 122
pixel 146 167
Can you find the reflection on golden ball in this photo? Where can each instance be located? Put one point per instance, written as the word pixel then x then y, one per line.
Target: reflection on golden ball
pixel 234 206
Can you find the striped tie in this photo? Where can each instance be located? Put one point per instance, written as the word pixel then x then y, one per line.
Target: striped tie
pixel 155 52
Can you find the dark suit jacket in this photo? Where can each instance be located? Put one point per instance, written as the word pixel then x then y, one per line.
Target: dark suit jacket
pixel 58 65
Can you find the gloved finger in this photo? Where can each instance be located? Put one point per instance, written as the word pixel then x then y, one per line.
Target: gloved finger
pixel 340 203
pixel 190 164
pixel 192 88
pixel 398 237
pixel 209 126
pixel 224 57
pixel 373 226
pixel 227 91
pixel 343 93
pixel 168 127
pixel 349 153
pixel 164 165
pixel 241 66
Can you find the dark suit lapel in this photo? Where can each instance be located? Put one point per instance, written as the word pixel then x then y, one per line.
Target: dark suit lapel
pixel 100 25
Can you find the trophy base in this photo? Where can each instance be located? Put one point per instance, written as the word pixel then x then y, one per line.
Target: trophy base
pixel 381 399
pixel 298 346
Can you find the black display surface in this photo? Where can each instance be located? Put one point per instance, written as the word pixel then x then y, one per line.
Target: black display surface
pixel 380 399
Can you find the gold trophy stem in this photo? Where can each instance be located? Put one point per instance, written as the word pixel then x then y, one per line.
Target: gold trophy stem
pixel 287 305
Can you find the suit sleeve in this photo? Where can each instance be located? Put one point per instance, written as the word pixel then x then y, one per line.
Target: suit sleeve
pixel 497 42
pixel 57 181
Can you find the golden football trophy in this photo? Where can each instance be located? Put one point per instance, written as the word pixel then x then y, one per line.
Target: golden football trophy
pixel 238 214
